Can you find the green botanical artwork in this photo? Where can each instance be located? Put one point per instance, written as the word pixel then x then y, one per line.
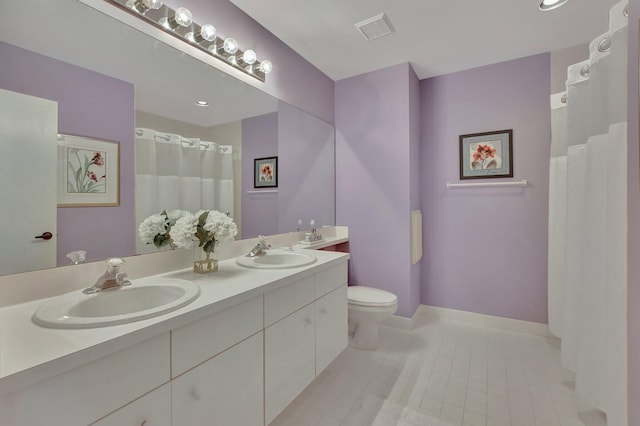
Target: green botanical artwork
pixel 86 171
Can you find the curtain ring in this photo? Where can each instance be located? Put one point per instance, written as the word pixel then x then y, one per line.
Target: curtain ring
pixel 139 132
pixel 604 45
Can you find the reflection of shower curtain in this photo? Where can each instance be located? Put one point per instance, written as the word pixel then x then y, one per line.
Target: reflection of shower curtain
pixel 173 172
pixel 588 223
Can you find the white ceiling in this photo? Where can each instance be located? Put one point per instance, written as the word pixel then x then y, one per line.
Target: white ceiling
pixel 436 36
pixel 167 82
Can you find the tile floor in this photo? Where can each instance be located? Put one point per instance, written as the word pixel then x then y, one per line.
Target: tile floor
pixel 462 374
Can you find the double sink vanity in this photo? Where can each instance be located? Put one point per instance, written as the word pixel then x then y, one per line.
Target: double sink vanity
pixel 233 347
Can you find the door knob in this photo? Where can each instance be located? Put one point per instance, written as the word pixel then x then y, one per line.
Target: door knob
pixel 45 236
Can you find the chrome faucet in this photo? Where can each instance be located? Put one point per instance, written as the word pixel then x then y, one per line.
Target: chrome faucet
pixel 112 278
pixel 259 249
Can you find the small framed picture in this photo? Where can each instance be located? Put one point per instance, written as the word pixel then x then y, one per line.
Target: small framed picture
pixel 88 172
pixel 486 155
pixel 265 172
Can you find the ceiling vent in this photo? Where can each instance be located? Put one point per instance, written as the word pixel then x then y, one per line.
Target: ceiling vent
pixel 375 27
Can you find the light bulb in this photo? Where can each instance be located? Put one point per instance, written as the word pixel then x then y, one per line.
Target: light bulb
pixel 208 32
pixel 152 4
pixel 183 17
pixel 249 57
pixel 551 4
pixel 230 46
pixel 142 6
pixel 266 67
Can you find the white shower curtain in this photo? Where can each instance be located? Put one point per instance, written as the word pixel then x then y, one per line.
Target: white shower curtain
pixel 174 172
pixel 588 223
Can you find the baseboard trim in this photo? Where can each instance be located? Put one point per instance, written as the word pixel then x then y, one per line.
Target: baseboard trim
pixel 403 323
pixel 490 321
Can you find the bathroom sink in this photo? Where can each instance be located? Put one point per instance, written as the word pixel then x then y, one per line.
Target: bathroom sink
pixel 277 259
pixel 136 302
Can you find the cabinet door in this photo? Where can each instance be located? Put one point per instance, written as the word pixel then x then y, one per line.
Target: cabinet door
pixel 331 327
pixel 226 390
pixel 289 359
pixel 153 409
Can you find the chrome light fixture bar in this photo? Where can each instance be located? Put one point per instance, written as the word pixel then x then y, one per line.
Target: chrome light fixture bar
pixel 180 24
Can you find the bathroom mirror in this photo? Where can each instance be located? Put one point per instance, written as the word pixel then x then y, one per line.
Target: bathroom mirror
pixel 110 79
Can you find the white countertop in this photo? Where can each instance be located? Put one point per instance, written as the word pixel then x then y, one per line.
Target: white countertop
pixel 30 353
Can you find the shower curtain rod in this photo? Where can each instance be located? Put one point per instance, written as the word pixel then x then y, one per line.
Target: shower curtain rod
pixel 521 183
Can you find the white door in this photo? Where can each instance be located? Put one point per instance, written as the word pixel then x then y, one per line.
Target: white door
pixel 28 167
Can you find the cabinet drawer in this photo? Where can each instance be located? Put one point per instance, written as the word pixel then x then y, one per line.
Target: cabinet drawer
pixel 153 409
pixel 331 327
pixel 87 393
pixel 283 301
pixel 330 279
pixel 195 343
pixel 226 390
pixel 289 360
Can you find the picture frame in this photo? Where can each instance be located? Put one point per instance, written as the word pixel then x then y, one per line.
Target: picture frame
pixel 486 155
pixel 265 172
pixel 88 172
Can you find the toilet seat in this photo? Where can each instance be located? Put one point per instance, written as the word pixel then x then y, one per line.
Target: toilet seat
pixel 368 296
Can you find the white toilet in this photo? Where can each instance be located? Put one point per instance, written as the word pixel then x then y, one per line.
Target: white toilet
pixel 368 307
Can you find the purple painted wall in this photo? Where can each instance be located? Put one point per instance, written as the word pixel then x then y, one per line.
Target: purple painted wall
pixel 293 80
pixel 373 184
pixel 259 140
pixel 633 211
pixel 486 248
pixel 93 105
pixel 306 165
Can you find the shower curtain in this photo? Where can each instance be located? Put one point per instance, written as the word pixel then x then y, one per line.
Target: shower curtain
pixel 588 223
pixel 174 172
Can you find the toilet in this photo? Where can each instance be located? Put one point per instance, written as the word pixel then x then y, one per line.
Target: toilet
pixel 368 307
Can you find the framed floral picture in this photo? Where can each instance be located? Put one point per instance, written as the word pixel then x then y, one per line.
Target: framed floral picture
pixel 265 172
pixel 486 155
pixel 88 172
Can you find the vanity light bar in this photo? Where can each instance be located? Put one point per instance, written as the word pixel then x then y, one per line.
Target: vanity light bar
pixel 180 24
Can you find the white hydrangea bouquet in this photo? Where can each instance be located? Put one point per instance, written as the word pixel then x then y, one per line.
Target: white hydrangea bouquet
pixel 208 228
pixel 156 229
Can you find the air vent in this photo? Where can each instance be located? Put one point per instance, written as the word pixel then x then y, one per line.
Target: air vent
pixel 375 27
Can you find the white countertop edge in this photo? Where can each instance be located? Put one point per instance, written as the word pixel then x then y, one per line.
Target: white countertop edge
pixel 72 353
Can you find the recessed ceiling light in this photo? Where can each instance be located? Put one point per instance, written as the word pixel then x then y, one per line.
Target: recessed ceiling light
pixel 202 103
pixel 551 4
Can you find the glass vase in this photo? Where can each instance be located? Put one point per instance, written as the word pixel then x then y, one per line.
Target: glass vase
pixel 204 262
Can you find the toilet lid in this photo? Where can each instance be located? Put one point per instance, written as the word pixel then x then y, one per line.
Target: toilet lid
pixel 367 296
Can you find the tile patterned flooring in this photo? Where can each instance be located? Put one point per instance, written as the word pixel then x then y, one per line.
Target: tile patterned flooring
pixel 463 374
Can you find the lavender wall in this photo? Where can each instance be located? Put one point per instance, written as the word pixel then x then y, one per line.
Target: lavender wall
pixel 293 80
pixel 486 249
pixel 373 195
pixel 93 105
pixel 633 295
pixel 306 165
pixel 259 140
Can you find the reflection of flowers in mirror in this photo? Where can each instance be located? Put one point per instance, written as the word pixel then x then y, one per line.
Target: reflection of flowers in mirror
pixel 266 173
pixel 156 228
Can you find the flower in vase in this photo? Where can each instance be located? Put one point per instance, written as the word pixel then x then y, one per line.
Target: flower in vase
pixel 156 229
pixel 207 227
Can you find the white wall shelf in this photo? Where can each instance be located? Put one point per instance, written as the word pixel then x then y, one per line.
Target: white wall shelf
pixel 521 183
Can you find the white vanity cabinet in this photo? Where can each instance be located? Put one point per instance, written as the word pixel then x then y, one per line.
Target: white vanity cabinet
pixel 87 393
pixel 306 329
pixel 239 364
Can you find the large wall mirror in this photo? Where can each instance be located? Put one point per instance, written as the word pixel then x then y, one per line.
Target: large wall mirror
pixel 100 79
